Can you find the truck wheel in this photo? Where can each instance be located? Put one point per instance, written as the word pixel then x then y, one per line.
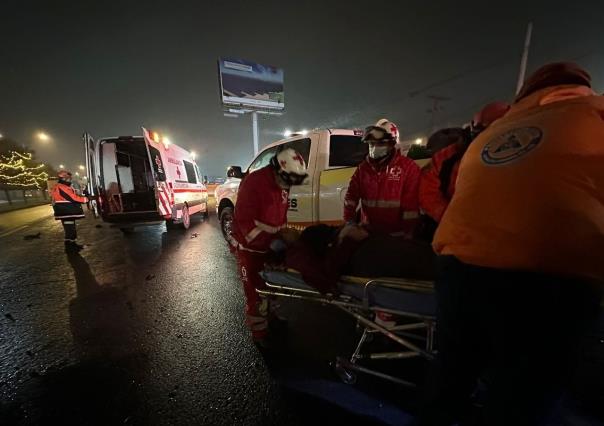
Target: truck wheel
pixel 226 222
pixel 186 218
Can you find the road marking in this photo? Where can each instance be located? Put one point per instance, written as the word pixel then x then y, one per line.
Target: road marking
pixel 12 231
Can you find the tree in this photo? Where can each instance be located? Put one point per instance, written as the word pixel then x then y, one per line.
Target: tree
pixel 18 169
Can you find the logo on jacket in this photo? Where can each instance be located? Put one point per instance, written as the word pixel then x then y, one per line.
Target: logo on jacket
pixel 395 173
pixel 511 145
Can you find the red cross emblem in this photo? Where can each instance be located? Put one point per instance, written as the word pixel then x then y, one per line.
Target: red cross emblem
pixel 299 158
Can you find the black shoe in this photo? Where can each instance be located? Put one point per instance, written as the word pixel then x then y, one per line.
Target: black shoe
pixel 263 344
pixel 73 246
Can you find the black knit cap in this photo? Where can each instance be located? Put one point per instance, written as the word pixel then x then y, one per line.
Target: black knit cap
pixel 554 74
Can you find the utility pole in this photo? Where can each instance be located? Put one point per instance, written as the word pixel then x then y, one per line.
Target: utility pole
pixel 436 107
pixel 524 60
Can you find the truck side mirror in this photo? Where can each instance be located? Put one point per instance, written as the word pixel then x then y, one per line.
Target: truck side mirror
pixel 235 172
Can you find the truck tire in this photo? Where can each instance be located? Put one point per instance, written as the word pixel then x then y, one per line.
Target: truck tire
pixel 226 222
pixel 186 218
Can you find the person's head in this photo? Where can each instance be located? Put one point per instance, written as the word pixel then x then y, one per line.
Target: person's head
pixel 290 168
pixel 382 138
pixel 64 175
pixel 445 137
pixel 554 74
pixel 487 115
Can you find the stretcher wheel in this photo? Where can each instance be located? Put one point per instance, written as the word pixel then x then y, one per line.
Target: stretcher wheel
pixel 346 375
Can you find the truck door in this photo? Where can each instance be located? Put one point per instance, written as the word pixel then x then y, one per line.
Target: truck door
pixel 300 213
pixel 92 176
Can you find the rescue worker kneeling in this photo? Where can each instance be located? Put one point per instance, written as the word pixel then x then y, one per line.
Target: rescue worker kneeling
pixel 67 206
pixel 260 218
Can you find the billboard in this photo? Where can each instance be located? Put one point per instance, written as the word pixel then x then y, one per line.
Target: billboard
pixel 250 84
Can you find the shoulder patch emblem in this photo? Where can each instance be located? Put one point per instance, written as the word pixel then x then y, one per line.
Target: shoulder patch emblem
pixel 511 145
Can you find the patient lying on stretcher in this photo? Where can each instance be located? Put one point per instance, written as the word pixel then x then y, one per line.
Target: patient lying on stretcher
pixel 323 253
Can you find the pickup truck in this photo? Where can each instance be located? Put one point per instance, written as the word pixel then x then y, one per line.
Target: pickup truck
pixel 332 156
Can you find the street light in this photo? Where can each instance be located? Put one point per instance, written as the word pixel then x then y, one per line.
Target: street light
pixel 81 167
pixel 43 136
pixel 418 141
pixel 61 166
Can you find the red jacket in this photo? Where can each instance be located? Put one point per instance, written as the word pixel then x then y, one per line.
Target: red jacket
pixel 261 211
pixel 433 198
pixel 388 195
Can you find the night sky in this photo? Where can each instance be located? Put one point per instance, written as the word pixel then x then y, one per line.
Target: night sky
pixel 110 67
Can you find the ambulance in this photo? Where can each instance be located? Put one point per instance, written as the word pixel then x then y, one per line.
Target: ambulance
pixel 143 180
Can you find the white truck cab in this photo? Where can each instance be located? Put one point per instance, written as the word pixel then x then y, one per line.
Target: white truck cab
pixel 331 155
pixel 142 180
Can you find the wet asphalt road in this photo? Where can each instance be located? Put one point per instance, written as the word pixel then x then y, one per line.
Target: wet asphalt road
pixel 148 329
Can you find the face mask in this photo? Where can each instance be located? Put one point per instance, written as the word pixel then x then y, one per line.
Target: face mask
pixel 376 151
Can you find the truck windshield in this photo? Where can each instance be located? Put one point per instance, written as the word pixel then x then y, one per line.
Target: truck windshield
pixel 346 151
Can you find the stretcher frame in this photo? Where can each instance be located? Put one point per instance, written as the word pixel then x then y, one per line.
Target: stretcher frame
pixel 416 337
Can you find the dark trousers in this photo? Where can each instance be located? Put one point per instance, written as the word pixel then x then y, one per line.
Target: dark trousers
pixel 69 226
pixel 515 331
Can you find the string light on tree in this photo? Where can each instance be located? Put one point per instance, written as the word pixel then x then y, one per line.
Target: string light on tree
pixel 19 170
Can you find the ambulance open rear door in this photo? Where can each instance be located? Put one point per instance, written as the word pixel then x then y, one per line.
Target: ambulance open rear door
pixel 92 176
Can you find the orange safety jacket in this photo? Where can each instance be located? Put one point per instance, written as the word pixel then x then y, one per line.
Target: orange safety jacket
pixel 530 191
pixel 66 203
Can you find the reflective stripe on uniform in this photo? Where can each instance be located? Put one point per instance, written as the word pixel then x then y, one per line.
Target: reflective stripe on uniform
pixel 261 227
pixel 389 204
pixel 267 228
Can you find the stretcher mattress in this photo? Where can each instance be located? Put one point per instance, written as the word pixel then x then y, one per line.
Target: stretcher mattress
pixel 415 297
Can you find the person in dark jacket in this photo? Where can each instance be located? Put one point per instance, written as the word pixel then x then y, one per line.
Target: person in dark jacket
pixel 67 206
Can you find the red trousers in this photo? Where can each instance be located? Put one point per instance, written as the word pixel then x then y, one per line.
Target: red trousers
pixel 256 307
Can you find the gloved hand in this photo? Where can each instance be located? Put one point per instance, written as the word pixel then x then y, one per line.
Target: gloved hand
pixel 289 235
pixel 354 232
pixel 278 246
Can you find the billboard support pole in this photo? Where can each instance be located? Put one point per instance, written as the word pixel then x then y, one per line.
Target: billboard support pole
pixel 255 131
pixel 524 59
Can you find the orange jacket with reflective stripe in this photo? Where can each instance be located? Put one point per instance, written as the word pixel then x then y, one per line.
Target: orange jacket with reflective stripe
pixel 66 203
pixel 432 199
pixel 389 196
pixel 530 191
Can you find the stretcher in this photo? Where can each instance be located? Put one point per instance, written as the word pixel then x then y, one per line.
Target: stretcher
pixel 411 300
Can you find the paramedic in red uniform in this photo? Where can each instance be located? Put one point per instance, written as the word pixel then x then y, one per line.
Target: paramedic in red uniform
pixel 521 263
pixel 260 215
pixel 437 183
pixel 67 206
pixel 385 185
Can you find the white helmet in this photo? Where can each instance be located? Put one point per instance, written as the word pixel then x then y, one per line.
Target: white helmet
pixel 383 129
pixel 290 166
